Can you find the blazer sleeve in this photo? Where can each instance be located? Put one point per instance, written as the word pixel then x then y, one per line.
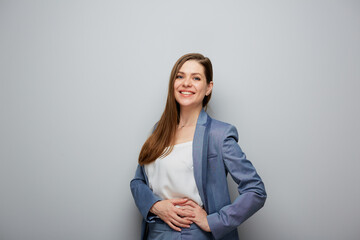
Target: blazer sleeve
pixel 251 189
pixel 143 195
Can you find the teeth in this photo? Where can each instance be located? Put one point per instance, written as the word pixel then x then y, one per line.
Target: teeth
pixel 186 93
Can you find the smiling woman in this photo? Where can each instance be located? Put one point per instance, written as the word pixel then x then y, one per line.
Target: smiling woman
pixel 180 185
pixel 190 85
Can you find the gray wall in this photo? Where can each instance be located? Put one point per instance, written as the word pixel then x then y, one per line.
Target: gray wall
pixel 83 82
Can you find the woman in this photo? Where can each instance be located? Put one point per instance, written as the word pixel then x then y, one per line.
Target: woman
pixel 180 185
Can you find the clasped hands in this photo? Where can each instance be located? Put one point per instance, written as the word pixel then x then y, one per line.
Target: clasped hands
pixel 181 213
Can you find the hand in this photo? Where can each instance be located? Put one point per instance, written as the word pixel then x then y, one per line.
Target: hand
pixel 173 216
pixel 200 215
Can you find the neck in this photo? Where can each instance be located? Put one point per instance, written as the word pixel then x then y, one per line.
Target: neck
pixel 189 116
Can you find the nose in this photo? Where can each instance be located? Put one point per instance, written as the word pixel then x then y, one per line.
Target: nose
pixel 187 82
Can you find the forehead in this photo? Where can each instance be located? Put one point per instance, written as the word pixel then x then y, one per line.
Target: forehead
pixel 192 66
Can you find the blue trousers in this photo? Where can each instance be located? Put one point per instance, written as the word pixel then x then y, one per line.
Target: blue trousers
pixel 161 231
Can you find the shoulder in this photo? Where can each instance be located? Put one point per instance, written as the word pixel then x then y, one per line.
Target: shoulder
pixel 219 124
pixel 222 130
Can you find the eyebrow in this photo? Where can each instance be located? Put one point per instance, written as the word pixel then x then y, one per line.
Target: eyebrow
pixel 191 73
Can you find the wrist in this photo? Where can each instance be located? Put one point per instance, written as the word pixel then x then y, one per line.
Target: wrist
pixel 153 207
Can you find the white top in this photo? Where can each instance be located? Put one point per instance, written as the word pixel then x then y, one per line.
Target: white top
pixel 173 175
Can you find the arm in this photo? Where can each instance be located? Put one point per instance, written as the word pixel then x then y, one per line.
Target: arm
pixel 250 186
pixel 151 205
pixel 142 194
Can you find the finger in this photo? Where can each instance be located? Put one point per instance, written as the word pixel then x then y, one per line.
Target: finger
pixel 173 226
pixel 192 204
pixel 184 212
pixel 177 223
pixel 180 220
pixel 191 219
pixel 190 200
pixel 187 208
pixel 178 201
pixel 189 215
pixel 186 200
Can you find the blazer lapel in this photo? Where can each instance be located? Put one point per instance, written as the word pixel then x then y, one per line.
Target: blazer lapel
pixel 200 146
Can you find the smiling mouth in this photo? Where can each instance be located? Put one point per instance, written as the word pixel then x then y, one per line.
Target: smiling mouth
pixel 186 93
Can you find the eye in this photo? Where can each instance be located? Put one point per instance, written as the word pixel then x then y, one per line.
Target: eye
pixel 197 78
pixel 179 76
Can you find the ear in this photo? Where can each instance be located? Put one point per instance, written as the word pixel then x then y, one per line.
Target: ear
pixel 209 88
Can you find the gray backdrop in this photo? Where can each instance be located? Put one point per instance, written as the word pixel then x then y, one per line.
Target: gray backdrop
pixel 83 82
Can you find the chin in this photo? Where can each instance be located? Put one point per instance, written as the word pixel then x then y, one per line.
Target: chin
pixel 187 104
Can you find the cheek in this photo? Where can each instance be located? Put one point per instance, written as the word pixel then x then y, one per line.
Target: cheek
pixel 176 84
pixel 202 88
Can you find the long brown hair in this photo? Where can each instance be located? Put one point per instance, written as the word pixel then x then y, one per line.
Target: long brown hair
pixel 163 136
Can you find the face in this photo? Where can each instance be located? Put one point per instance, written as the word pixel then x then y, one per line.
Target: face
pixel 190 85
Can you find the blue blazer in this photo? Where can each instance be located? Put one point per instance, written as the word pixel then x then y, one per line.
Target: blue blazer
pixel 215 154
